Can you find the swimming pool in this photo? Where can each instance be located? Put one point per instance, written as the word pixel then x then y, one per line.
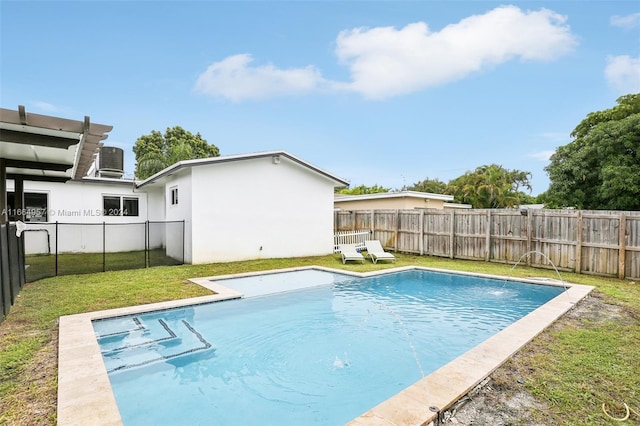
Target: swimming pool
pixel 319 354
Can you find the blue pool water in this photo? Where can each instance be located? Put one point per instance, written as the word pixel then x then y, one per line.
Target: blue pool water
pixel 316 356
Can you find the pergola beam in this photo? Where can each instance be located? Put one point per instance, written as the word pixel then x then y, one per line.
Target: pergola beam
pixel 22 113
pixel 13 136
pixel 37 165
pixel 36 178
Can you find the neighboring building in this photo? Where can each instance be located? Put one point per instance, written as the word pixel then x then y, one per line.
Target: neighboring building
pixel 261 205
pixel 396 200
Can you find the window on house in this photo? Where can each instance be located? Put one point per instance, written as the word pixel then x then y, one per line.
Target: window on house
pixel 111 206
pixel 35 207
pixel 174 196
pixel 129 206
pixel 114 205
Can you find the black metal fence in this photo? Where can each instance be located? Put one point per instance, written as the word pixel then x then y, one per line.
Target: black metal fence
pixel 53 249
pixel 12 271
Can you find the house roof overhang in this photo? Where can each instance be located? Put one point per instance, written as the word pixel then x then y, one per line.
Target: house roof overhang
pixel 41 147
pixel 275 155
pixel 391 195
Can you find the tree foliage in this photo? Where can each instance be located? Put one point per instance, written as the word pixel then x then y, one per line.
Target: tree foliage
pixel 524 198
pixel 157 151
pixel 600 168
pixel 490 187
pixel 363 189
pixel 433 186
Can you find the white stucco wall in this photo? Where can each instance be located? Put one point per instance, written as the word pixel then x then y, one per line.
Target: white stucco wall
pixel 155 202
pixel 179 212
pixel 255 209
pixel 81 204
pixel 155 213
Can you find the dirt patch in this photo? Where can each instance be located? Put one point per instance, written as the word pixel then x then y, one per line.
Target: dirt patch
pixel 502 399
pixel 488 406
pixel 595 309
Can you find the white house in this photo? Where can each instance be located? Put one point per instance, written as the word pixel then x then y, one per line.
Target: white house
pixel 239 207
pixel 89 202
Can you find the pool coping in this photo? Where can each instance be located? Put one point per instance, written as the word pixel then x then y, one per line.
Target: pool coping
pixel 85 395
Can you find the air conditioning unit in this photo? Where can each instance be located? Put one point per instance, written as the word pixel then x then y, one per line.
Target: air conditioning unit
pixel 111 162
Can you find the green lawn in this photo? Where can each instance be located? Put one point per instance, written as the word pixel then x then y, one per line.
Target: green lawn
pixel 572 368
pixel 44 266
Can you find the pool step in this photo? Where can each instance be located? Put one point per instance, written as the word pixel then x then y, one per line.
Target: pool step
pixel 131 343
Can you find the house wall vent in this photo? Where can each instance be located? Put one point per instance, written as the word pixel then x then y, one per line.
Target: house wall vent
pixel 111 162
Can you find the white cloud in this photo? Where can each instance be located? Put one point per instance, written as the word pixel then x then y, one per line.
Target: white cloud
pixel 235 79
pixel 627 22
pixel 47 107
pixel 386 62
pixel 556 137
pixel 623 73
pixel 542 155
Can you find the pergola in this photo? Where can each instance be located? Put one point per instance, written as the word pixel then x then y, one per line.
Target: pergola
pixel 43 148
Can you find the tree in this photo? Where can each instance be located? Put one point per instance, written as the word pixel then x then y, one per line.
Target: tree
pixel 600 168
pixel 433 186
pixel 363 189
pixel 156 151
pixel 490 186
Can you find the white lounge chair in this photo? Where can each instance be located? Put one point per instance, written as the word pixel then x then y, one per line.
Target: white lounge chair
pixel 375 251
pixel 349 252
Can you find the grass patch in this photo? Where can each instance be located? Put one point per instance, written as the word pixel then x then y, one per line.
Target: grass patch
pixel 575 366
pixel 586 368
pixel 43 266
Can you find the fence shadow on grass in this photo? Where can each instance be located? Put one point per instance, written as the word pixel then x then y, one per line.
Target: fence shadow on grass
pixel 54 249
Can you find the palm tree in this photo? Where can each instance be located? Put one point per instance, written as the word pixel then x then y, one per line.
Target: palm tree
pixel 489 186
pixel 156 151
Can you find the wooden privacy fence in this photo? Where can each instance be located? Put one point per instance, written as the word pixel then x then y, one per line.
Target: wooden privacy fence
pixel 603 243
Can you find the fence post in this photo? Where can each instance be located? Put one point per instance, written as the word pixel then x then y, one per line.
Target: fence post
pixel 21 260
pixel 623 246
pixel 421 242
pixel 372 224
pixel 147 259
pixel 104 246
pixel 452 235
pixel 56 248
pixel 530 213
pixel 4 275
pixel 579 242
pixel 5 297
pixel 395 232
pixel 487 249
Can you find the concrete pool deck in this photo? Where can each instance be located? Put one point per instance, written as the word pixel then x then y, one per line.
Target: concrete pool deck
pixel 85 396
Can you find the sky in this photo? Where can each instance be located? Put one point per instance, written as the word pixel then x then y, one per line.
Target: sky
pixel 382 93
